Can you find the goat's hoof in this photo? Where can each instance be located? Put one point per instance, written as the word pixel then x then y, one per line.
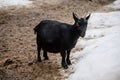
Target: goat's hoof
pixel 69 62
pixel 39 60
pixel 46 58
pixel 64 66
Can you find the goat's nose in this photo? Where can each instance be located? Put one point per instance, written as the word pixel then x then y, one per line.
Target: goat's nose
pixel 83 34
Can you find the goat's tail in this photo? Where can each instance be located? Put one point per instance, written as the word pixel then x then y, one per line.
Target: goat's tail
pixel 35 29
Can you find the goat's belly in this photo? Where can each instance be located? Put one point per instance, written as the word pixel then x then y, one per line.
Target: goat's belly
pixel 53 48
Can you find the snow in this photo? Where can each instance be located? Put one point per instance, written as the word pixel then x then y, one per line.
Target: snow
pixel 115 5
pixel 100 58
pixel 4 3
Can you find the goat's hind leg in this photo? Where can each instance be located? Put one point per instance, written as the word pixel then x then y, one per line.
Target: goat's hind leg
pixel 38 48
pixel 45 55
pixel 38 56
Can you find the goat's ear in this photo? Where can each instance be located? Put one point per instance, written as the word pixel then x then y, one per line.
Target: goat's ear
pixel 87 17
pixel 75 17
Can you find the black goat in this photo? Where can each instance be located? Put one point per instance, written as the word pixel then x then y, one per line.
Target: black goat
pixel 54 36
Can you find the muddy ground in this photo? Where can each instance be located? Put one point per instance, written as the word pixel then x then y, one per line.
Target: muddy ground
pixel 18 55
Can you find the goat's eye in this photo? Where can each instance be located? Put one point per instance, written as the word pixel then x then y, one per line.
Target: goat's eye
pixel 79 24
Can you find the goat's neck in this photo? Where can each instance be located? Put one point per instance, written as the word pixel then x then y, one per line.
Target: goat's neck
pixel 75 33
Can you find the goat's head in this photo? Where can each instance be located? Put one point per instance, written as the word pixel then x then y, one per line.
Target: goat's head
pixel 81 24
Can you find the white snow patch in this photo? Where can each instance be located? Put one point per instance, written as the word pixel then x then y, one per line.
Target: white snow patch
pixel 100 59
pixel 115 5
pixel 101 20
pixel 4 3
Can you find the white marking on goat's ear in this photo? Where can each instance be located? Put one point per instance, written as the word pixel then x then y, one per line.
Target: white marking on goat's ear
pixel 87 17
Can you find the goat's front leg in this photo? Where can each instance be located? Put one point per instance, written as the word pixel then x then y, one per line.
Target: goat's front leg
pixel 68 57
pixel 63 62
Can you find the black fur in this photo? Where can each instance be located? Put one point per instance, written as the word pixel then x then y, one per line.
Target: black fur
pixel 54 36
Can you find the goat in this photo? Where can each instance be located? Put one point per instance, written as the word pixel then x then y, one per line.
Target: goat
pixel 54 37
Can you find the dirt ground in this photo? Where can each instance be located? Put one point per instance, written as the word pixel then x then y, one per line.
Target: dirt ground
pixel 18 53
